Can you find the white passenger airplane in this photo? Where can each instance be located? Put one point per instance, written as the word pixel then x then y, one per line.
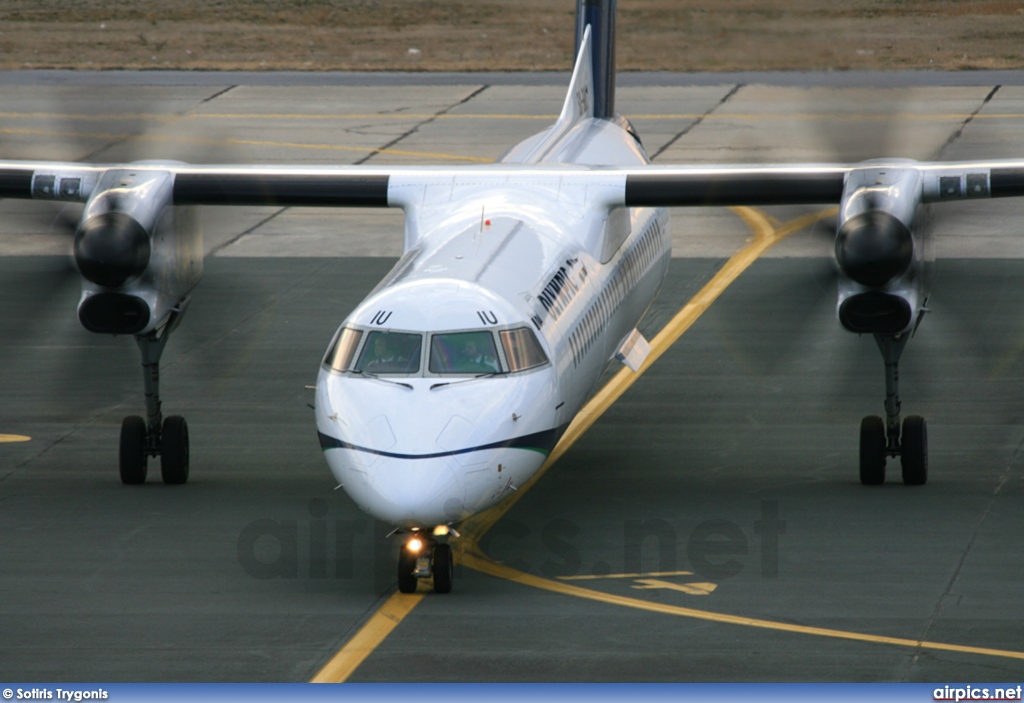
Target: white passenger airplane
pixel 446 388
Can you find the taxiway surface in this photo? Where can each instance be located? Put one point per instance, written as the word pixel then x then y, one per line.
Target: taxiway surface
pixel 716 504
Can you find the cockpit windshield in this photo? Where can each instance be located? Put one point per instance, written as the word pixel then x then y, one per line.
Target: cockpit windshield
pixel 339 356
pixel 522 350
pixel 466 352
pixel 463 352
pixel 390 352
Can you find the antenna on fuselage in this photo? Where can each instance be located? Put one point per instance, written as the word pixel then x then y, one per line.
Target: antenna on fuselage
pixel 600 15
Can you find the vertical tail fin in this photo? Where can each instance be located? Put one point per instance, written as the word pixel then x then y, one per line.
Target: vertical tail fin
pixel 600 16
pixel 579 101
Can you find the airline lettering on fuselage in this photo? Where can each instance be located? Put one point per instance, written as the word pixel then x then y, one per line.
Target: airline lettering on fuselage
pixel 487 317
pixel 558 291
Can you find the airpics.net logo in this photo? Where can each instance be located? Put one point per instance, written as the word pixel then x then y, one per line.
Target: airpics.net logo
pixel 978 693
pixel 322 547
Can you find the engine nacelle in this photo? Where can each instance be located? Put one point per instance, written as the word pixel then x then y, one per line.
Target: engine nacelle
pixel 139 257
pixel 110 248
pixel 879 253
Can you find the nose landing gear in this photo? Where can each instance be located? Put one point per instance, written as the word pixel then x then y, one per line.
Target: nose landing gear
pixel 423 557
pixel 155 435
pixel 881 439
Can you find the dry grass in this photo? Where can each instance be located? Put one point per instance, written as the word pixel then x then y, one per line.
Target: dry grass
pixel 475 35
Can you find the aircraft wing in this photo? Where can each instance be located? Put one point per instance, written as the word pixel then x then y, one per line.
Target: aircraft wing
pixel 813 184
pixel 373 186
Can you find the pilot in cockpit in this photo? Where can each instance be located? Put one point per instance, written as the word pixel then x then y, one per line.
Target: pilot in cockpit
pixel 384 357
pixel 474 360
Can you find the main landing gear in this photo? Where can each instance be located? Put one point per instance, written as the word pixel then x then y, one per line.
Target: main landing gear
pixel 422 557
pixel 879 440
pixel 155 435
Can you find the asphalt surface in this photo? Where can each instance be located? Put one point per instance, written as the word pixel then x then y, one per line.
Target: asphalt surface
pixel 733 459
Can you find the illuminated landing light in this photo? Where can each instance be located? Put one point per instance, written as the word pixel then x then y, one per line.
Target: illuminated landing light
pixel 414 545
pixel 14 438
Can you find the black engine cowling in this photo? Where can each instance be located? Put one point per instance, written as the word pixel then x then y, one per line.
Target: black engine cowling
pixel 874 248
pixel 111 248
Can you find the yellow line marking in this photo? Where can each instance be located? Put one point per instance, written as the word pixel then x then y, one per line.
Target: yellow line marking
pixel 245 142
pixel 152 116
pixel 693 589
pixel 335 147
pixel 114 136
pixel 375 631
pixel 477 560
pixel 625 576
pixel 14 438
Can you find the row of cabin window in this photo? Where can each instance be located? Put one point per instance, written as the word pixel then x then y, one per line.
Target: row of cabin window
pixel 632 268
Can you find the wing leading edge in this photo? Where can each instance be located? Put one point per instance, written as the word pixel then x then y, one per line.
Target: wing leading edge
pixel 655 186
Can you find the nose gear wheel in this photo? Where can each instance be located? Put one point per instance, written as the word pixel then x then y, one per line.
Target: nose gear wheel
pixel 155 435
pixel 433 559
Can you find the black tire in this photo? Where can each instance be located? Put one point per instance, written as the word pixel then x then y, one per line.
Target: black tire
pixel 443 569
pixel 174 450
pixel 915 451
pixel 872 451
pixel 406 566
pixel 132 455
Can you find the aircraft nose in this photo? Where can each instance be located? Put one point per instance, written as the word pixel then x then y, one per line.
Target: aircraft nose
pixel 417 491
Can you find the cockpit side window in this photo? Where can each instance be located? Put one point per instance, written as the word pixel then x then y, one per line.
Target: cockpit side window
pixel 463 352
pixel 339 357
pixel 522 350
pixel 390 353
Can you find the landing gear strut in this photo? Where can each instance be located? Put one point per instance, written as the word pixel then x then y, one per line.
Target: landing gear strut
pixel 422 557
pixel 155 435
pixel 879 440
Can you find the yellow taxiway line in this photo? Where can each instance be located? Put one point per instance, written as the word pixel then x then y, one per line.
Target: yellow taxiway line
pixel 335 147
pixel 594 577
pixel 478 561
pixel 164 138
pixel 375 631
